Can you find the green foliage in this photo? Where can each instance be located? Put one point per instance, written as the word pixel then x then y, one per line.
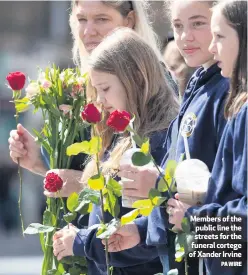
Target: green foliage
pixel 36 228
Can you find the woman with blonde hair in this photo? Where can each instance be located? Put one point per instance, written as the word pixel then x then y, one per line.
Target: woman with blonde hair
pixel 121 78
pixel 90 22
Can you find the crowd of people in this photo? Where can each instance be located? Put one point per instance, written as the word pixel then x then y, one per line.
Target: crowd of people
pixel 115 43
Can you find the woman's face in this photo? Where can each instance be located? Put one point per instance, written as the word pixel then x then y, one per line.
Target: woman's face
pixel 191 26
pixel 111 93
pixel 225 43
pixel 96 20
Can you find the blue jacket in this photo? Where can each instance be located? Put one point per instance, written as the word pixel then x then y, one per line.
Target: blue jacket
pixel 140 259
pixel 227 193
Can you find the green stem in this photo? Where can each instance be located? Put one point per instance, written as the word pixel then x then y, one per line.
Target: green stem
pixel 106 240
pixel 162 176
pixel 64 208
pixel 186 265
pixel 102 208
pixel 21 182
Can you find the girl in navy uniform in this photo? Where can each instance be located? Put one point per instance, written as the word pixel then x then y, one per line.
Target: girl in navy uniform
pixel 122 79
pixel 227 191
pixel 202 107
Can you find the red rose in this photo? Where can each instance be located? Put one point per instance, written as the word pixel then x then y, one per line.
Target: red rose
pixel 53 183
pixel 16 80
pixel 119 120
pixel 91 114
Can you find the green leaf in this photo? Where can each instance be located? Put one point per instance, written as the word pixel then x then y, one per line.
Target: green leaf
pixel 36 228
pixel 129 217
pixel 114 186
pixel 153 193
pixel 77 148
pixel 163 185
pixel 42 241
pixel 145 148
pixel 95 145
pixel 91 195
pixel 145 207
pixel 179 254
pixel 140 159
pixel 53 272
pixel 142 204
pixel 43 142
pixel 75 271
pixel 84 208
pixel 22 105
pixel 72 202
pixel 185 225
pixel 157 201
pixel 61 268
pixel 70 217
pixel 110 229
pixel 49 218
pixel 170 171
pixel 111 204
pixel 173 272
pixel 96 182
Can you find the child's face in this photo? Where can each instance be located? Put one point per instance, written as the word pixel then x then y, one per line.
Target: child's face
pixel 225 43
pixel 110 91
pixel 191 26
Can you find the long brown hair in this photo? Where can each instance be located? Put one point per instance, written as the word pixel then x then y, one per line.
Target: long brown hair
pixel 149 98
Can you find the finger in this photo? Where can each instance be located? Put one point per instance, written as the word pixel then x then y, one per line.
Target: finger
pixel 128 185
pixel 112 248
pixel 172 202
pixel 57 242
pixel 57 249
pixel 15 143
pixel 57 252
pixel 63 254
pixel 15 155
pixel 128 174
pixel 130 192
pixel 58 234
pixel 49 194
pixel 18 150
pixel 177 196
pixel 14 135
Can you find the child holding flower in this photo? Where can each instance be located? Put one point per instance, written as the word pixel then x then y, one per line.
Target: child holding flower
pixel 122 79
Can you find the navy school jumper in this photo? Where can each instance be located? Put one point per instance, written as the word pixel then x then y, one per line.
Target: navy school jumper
pixel 227 196
pixel 138 260
pixel 204 99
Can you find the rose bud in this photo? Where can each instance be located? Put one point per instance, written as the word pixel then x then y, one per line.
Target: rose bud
pixel 119 120
pixel 91 114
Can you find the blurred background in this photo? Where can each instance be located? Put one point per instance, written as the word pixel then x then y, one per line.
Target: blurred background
pixel 33 33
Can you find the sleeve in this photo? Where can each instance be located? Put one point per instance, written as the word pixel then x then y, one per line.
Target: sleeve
pixel 142 224
pixel 227 195
pixel 86 244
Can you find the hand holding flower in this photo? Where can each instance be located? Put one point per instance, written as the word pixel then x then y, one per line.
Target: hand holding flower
pixel 176 210
pixel 72 183
pixel 141 180
pixel 63 242
pixel 124 238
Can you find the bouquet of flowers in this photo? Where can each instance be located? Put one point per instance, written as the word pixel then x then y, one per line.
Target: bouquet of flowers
pixel 60 96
